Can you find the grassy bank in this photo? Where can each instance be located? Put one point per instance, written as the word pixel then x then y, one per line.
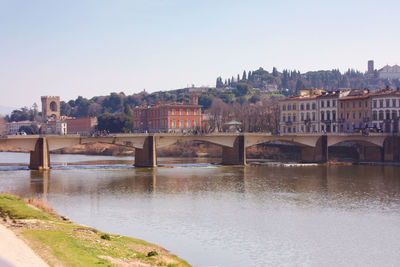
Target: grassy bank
pixel 63 243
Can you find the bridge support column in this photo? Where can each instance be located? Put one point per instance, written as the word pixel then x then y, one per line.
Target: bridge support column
pixel 318 154
pixel 40 158
pixel 235 155
pixel 391 149
pixel 146 157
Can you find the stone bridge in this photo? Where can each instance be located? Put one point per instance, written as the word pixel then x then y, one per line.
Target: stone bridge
pixel 314 148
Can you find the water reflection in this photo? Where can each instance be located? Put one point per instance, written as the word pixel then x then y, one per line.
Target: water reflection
pixel 234 216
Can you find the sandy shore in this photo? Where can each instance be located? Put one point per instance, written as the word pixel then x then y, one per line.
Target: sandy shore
pixel 14 252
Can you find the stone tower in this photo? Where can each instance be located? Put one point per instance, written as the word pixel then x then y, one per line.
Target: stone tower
pixel 50 107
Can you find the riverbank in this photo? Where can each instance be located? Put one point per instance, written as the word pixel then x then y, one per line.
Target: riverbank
pixel 60 242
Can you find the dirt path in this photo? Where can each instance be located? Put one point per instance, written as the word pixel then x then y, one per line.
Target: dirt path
pixel 14 252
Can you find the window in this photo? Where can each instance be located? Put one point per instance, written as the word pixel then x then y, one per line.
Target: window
pixel 374 115
pixel 302 107
pixel 294 129
pixel 284 107
pixel 173 124
pixel 359 115
pixel 394 103
pixel 354 104
pixel 195 111
pixel 294 117
pixel 308 106
pixel 322 115
pixel 366 104
pixel 180 111
pixel 387 103
pixel 334 115
pixel 333 103
pixel 354 115
pixel 359 104
pixel 307 116
pixel 289 107
pixel 381 115
pixel 302 128
pixel 388 114
pixel 328 103
pixel 341 105
pixel 314 106
pixel 381 103
pixel 334 128
pixel 322 104
pixel 374 103
pixel 173 111
pixel 302 116
pixel 328 115
pixel 194 123
pixel 188 124
pixel 188 112
pixel 288 117
pixel 347 115
pixel 294 106
pixel 313 116
pixel 284 118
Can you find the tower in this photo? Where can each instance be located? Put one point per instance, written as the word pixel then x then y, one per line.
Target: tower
pixel 370 66
pixel 50 107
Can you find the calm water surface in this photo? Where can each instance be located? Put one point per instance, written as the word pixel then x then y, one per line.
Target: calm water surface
pixel 210 215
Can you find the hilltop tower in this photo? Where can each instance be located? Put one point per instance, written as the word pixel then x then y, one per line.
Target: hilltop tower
pixel 50 107
pixel 370 66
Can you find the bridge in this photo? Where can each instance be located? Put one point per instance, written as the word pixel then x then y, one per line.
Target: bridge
pixel 314 147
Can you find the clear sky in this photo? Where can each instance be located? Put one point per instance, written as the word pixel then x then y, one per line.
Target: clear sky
pixel 71 48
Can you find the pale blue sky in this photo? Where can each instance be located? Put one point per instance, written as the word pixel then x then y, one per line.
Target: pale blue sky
pixel 88 48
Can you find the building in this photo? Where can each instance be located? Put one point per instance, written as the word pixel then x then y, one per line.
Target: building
pixel 299 113
pixel 386 110
pixel 54 127
pixel 50 108
pixel 168 117
pixel 13 127
pixel 82 126
pixel 354 111
pixel 328 110
pixel 389 72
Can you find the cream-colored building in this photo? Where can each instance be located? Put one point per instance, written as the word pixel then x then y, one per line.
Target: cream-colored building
pixel 299 114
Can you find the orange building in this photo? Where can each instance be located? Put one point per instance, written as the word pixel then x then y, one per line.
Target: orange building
pixel 168 117
pixel 354 111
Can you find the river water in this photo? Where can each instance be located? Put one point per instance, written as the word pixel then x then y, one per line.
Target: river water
pixel 212 215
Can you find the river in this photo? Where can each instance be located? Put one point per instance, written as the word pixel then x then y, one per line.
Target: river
pixel 212 215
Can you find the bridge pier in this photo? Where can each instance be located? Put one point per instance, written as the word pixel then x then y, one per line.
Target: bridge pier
pixel 235 155
pixel 391 149
pixel 146 157
pixel 318 154
pixel 40 158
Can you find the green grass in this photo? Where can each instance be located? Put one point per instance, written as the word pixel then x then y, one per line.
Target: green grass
pixel 75 245
pixel 15 208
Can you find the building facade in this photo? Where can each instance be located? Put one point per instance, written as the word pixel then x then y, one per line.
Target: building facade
pixel 168 117
pixel 389 72
pixel 328 110
pixel 299 114
pixel 82 126
pixel 385 106
pixel 13 127
pixel 354 111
